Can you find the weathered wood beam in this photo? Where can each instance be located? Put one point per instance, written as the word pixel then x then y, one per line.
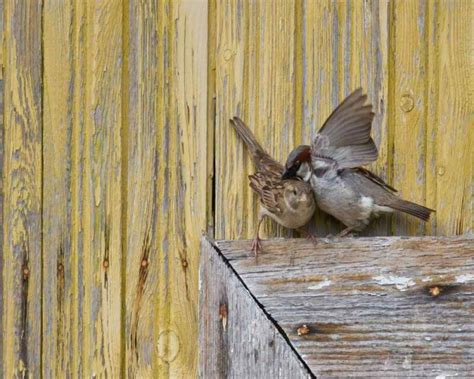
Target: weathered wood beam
pixel 386 306
pixel 237 338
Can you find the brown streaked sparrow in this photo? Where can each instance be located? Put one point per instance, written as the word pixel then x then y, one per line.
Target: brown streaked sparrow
pixel 288 202
pixel 351 194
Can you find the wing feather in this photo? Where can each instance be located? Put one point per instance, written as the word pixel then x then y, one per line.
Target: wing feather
pixel 345 136
pixel 269 188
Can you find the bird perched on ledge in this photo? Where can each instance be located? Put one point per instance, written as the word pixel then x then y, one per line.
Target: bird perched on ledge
pixel 288 202
pixel 350 193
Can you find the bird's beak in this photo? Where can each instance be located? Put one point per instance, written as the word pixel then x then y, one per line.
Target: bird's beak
pixel 288 174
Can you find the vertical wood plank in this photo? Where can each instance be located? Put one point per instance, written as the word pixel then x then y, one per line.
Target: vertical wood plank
pixel 146 37
pixel 186 194
pixel 2 146
pixel 60 258
pixel 231 190
pixel 101 195
pixel 450 119
pixel 167 184
pixel 22 173
pixel 320 82
pixel 408 122
pixel 255 80
pixel 372 63
pixel 211 114
pixel 78 180
pixel 344 45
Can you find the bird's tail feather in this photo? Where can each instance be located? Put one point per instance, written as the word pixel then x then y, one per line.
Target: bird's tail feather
pixel 247 136
pixel 413 209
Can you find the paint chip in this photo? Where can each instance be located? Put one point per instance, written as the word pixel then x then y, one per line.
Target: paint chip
pixel 466 278
pixel 401 283
pixel 321 284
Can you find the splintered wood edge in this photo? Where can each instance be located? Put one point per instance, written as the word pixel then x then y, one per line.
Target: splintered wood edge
pixel 209 244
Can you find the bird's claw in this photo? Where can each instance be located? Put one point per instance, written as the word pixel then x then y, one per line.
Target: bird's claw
pixel 256 247
pixel 312 238
pixel 345 235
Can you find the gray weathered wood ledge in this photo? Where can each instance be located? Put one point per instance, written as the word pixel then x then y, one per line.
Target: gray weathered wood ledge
pixel 385 306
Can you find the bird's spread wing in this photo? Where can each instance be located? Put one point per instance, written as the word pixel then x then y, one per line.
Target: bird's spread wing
pixel 345 138
pixel 269 188
pixel 262 160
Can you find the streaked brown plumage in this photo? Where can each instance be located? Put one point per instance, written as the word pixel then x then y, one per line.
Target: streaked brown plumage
pixel 288 202
pixel 350 193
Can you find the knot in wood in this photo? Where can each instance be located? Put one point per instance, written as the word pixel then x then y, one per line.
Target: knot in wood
pixel 407 103
pixel 228 53
pixel 168 345
pixel 105 263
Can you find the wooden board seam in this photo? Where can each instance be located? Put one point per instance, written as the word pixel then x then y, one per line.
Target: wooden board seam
pixel 280 330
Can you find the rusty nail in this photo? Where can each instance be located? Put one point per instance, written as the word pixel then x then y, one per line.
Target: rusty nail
pixel 223 315
pixel 105 263
pixel 435 291
pixel 144 262
pixel 302 330
pixel 184 263
pixel 26 272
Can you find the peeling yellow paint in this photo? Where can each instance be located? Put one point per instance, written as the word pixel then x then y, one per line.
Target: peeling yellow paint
pixel 118 153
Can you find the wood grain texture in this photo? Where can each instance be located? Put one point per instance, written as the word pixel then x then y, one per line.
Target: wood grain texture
pixel 143 34
pixel 254 80
pixel 184 196
pixel 408 104
pixel 167 197
pixel 60 258
pixel 336 47
pixel 1 223
pixel 2 146
pixel 22 175
pixel 366 306
pixel 100 194
pixel 431 123
pixel 126 105
pixel 450 110
pixel 236 337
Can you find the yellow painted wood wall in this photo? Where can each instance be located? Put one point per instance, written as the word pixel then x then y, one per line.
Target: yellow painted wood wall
pixel 117 153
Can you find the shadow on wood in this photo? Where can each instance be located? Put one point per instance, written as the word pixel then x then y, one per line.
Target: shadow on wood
pixel 350 307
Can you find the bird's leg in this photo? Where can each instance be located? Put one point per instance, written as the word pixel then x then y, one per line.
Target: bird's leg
pixel 308 235
pixel 345 232
pixel 256 244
